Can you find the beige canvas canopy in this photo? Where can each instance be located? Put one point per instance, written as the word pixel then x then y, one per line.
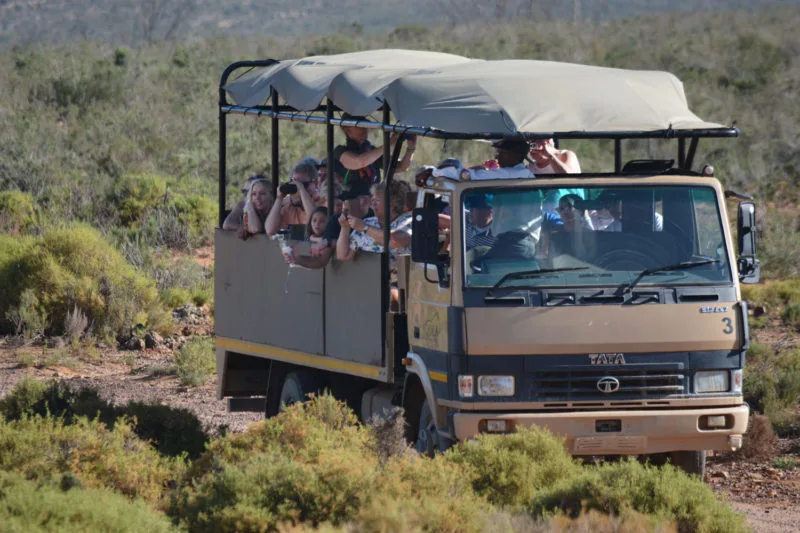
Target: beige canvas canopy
pixel 458 95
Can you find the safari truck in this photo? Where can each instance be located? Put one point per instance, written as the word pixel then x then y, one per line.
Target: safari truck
pixel 625 336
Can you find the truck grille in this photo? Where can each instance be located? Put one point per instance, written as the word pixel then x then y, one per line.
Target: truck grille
pixel 582 384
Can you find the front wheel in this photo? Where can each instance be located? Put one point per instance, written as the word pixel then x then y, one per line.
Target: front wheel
pixel 691 462
pixel 427 435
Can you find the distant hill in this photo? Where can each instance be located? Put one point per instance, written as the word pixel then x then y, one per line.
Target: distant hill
pixel 134 22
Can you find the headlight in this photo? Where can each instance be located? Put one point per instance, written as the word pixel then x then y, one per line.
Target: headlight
pixel 496 385
pixel 712 381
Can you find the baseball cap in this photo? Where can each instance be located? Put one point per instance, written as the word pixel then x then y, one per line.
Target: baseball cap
pixel 480 201
pixel 358 188
pixel 450 162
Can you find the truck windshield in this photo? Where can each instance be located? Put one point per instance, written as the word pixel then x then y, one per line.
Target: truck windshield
pixel 594 236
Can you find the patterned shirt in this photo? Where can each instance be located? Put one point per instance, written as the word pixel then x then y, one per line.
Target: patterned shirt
pixel 359 240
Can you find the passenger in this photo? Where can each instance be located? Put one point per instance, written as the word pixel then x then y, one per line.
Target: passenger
pixel 255 210
pixel 573 214
pixel 547 159
pixel 315 228
pixel 510 155
pixel 295 199
pixel 355 201
pixel 358 159
pixel 234 219
pixel 367 235
pixel 478 226
pixel 613 206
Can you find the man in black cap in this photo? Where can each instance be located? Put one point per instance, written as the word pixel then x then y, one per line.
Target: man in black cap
pixel 510 154
pixel 355 202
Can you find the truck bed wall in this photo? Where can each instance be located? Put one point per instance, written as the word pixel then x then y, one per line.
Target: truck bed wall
pixel 333 312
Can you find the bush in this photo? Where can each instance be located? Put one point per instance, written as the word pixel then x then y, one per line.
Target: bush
pixel 74 267
pixel 314 464
pixel 34 507
pixel 510 469
pixel 759 441
pixel 17 212
pixel 617 488
pixel 45 448
pixel 171 431
pixel 196 361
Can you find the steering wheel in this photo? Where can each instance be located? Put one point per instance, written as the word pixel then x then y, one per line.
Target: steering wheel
pixel 623 260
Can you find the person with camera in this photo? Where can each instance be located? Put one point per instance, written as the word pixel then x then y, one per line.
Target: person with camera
pixel 295 199
pixel 359 160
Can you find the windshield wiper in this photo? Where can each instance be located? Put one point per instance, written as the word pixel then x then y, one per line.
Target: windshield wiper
pixel 529 274
pixel 667 268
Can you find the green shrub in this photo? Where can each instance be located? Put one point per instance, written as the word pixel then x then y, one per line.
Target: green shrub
pixel 196 361
pixel 175 297
pixel 17 212
pixel 35 507
pixel 313 464
pixel 510 469
pixel 170 430
pixel 45 448
pixel 665 493
pixel 791 315
pixel 74 267
pixel 136 195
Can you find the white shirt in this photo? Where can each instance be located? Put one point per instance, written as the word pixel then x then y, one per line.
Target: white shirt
pixel 517 171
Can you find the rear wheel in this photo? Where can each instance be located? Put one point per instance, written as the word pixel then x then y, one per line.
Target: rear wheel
pixel 691 462
pixel 296 387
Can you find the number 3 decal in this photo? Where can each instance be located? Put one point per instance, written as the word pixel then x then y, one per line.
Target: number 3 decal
pixel 728 326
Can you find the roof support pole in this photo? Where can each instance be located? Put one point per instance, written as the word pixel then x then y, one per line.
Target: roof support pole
pixel 617 155
pixel 276 173
pixel 692 151
pixel 681 152
pixel 223 131
pixel 387 220
pixel 329 157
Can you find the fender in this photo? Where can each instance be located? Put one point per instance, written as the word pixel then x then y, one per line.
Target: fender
pixel 416 365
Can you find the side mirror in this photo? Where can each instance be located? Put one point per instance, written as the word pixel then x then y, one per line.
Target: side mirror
pixel 749 266
pixel 425 236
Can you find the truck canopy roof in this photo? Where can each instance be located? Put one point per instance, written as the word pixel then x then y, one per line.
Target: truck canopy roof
pixel 450 93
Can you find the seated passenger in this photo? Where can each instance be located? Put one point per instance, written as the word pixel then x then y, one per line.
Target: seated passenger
pixel 358 159
pixel 547 159
pixel 295 200
pixel 322 197
pixel 478 226
pixel 367 235
pixel 613 206
pixel 316 224
pixel 255 210
pixel 573 214
pixel 234 219
pixel 510 155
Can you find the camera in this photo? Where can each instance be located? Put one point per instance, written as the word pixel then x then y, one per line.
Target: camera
pixel 288 188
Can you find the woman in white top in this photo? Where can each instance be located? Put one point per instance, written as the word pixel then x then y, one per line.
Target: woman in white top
pixel 547 159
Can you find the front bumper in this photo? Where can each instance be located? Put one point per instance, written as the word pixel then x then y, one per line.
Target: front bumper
pixel 641 432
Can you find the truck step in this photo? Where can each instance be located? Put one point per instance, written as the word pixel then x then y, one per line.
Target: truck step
pixel 249 404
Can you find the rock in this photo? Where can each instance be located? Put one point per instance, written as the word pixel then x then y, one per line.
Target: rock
pixel 721 474
pixel 134 343
pixel 153 340
pixel 57 342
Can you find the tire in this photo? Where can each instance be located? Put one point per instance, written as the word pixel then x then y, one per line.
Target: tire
pixel 691 462
pixel 427 435
pixel 296 387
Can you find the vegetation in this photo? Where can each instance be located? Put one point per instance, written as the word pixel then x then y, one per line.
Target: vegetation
pixel 315 466
pixel 196 361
